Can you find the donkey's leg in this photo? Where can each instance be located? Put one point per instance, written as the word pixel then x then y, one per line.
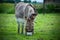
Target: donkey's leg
pixel 22 28
pixel 32 27
pixel 18 21
pixel 18 28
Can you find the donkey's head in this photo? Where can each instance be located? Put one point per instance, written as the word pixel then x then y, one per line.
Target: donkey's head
pixel 31 16
pixel 33 12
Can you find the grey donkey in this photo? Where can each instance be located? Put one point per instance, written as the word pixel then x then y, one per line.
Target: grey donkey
pixel 25 14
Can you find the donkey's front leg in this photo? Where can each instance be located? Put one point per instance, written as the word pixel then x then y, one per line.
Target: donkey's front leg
pixel 22 28
pixel 18 28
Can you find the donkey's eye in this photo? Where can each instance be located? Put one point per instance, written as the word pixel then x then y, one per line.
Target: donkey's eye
pixel 34 14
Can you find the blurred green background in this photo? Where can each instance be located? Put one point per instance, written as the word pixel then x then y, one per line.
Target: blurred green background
pixel 46 26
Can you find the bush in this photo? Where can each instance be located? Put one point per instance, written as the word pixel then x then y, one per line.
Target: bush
pixel 9 8
pixel 52 8
pixel 6 8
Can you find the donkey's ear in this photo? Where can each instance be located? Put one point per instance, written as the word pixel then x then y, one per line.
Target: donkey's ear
pixel 33 8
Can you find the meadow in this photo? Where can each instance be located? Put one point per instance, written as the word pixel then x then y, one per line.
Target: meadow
pixel 46 27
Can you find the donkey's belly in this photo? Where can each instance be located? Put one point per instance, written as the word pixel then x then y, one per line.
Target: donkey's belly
pixel 20 20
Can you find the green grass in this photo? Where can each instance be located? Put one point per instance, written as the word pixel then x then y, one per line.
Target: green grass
pixel 46 27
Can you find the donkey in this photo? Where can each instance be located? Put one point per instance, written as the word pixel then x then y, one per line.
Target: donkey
pixel 25 14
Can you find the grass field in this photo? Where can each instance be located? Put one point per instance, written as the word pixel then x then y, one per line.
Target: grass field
pixel 46 27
